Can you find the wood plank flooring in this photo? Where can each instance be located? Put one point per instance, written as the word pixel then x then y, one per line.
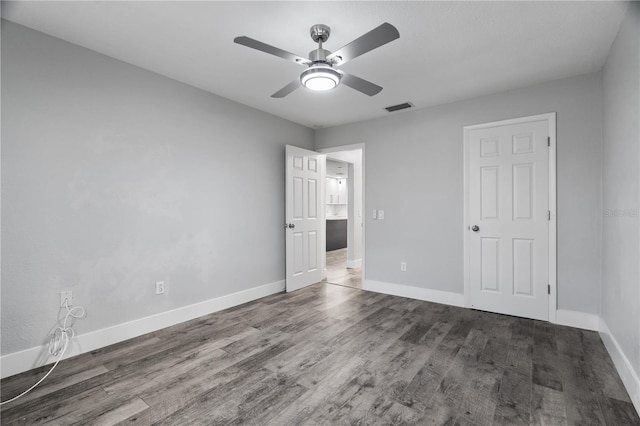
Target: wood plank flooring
pixel 338 273
pixel 331 355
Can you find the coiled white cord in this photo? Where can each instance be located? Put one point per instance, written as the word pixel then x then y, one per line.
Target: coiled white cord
pixel 58 343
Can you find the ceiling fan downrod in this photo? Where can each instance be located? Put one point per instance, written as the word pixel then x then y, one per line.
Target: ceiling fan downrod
pixel 319 33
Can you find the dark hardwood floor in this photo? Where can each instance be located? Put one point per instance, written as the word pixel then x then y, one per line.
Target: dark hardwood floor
pixel 330 355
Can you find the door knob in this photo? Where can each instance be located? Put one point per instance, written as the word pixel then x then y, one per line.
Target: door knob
pixel 475 228
pixel 292 225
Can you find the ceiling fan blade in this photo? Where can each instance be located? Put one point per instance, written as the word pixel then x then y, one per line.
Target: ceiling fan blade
pixel 373 39
pixel 287 89
pixel 364 86
pixel 258 45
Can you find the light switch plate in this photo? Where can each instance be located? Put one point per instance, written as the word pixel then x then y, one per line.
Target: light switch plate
pixel 380 214
pixel 375 214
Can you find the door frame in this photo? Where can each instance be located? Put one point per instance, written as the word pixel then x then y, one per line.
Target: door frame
pixel 553 260
pixel 351 147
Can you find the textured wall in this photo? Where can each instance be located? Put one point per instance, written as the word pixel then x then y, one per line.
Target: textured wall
pixel 414 171
pixel 114 178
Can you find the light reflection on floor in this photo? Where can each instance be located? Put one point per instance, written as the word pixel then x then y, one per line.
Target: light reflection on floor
pixel 338 273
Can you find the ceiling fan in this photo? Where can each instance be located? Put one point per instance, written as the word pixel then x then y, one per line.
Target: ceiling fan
pixel 322 73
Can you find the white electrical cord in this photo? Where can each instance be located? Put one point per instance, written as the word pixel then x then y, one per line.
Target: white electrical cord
pixel 58 343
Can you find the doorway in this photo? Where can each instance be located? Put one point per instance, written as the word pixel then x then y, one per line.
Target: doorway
pixel 344 201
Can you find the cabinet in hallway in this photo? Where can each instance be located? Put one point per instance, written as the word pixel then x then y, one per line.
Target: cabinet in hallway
pixel 336 234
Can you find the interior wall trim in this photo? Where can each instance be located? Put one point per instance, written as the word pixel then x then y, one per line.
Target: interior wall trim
pixel 429 295
pixel 20 361
pixel 577 319
pixel 354 263
pixel 624 367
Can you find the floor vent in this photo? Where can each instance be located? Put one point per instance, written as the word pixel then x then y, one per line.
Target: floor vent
pixel 398 107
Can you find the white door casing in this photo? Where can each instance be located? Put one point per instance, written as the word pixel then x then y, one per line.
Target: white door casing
pixel 304 217
pixel 510 197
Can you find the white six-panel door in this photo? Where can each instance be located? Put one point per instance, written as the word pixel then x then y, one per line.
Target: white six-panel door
pixel 508 218
pixel 304 219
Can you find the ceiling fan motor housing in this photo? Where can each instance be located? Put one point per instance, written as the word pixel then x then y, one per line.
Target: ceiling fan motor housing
pixel 319 55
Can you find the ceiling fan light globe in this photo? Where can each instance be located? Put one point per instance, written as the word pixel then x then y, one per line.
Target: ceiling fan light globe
pixel 320 83
pixel 320 78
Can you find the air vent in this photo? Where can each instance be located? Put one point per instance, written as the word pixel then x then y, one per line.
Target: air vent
pixel 399 107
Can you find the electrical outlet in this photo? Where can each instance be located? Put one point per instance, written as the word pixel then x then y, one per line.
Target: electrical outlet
pixel 375 214
pixel 159 287
pixel 66 298
pixel 403 266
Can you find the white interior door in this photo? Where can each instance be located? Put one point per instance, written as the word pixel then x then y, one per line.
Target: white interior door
pixel 304 221
pixel 508 218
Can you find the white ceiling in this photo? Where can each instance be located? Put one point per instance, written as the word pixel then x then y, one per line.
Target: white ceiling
pixel 447 51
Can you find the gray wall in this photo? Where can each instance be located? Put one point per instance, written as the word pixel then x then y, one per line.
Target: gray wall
pixel 414 172
pixel 114 178
pixel 621 180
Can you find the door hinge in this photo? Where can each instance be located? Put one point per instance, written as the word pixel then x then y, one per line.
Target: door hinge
pixel 548 214
pixel 548 140
pixel 548 288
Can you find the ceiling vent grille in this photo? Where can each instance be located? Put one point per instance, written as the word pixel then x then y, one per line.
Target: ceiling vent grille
pixel 398 107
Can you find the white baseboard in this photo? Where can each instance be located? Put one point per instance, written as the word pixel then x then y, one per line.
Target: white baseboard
pixel 27 359
pixel 624 367
pixel 351 264
pixel 437 296
pixel 578 319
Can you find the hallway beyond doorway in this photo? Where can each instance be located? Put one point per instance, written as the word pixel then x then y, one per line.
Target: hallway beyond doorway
pixel 337 272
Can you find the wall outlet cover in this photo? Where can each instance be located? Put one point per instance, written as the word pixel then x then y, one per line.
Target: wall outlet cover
pixel 66 298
